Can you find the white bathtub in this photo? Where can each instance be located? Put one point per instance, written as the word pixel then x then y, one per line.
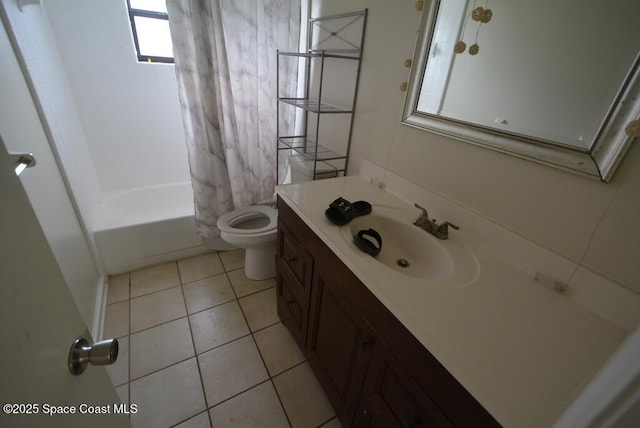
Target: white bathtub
pixel 145 226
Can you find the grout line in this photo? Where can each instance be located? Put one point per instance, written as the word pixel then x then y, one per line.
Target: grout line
pixel 286 415
pixel 156 291
pixel 200 279
pixel 579 264
pixel 238 394
pixel 159 324
pixel 275 375
pixel 165 367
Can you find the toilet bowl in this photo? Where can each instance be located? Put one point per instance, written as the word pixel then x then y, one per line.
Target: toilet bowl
pixel 253 228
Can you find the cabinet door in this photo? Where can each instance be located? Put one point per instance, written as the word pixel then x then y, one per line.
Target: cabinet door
pixel 294 258
pixel 293 278
pixel 391 397
pixel 339 344
pixel 291 309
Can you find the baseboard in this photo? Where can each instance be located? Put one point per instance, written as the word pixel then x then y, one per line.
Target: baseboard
pixel 99 312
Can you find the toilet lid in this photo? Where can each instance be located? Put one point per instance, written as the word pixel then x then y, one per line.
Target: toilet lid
pixel 227 222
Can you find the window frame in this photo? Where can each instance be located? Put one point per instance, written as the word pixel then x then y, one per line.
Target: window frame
pixel 146 14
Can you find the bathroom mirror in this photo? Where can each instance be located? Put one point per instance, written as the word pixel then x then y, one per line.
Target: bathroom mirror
pixel 553 82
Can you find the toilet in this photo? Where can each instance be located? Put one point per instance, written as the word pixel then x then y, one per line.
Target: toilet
pixel 253 228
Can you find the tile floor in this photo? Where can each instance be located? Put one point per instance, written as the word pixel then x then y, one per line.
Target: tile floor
pixel 201 345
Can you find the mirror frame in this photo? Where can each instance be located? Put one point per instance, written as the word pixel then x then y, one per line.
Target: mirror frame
pixel 600 161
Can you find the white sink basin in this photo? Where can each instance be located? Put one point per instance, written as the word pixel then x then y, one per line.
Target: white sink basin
pixel 409 251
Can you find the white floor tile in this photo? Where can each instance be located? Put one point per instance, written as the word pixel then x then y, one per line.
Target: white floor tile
pixel 231 369
pixel 259 407
pixel 302 397
pixel 208 292
pixel 118 288
pixel 157 308
pixel 199 267
pixel 278 348
pixel 117 320
pixel 260 309
pixel 162 325
pixel 233 259
pixel 198 421
pixel 244 286
pixel 154 278
pixel 168 396
pixel 160 347
pixel 217 326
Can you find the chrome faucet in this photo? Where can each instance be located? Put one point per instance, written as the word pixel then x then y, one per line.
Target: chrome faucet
pixel 440 231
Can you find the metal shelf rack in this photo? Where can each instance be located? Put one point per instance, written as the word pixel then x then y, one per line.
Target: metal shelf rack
pixel 333 40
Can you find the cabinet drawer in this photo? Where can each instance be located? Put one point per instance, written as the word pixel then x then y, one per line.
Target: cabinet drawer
pixel 294 256
pixel 292 306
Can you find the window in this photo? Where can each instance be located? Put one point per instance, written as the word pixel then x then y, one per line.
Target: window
pixel 150 27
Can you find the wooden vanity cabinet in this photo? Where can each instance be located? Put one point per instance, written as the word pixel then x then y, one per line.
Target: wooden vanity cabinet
pixel 373 370
pixel 339 343
pixel 392 397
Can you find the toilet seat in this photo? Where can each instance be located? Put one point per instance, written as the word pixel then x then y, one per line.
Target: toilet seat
pixel 227 221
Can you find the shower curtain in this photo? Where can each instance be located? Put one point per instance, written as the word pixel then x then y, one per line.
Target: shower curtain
pixel 225 64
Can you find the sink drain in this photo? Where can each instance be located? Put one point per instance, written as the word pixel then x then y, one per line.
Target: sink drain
pixel 403 263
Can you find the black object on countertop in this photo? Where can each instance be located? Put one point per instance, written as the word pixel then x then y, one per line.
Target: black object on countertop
pixel 341 211
pixel 367 245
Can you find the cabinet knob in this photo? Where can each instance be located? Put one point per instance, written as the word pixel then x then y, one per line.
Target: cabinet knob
pixel 292 259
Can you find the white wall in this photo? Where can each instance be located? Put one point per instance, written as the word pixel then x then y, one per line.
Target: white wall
pixel 22 131
pixel 129 110
pixel 589 222
pixel 47 74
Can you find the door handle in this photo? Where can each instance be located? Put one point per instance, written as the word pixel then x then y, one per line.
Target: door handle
pixel 22 161
pixel 99 354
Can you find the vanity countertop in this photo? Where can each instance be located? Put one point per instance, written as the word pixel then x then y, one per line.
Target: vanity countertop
pixel 522 350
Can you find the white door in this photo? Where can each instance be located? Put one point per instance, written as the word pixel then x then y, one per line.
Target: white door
pixel 22 130
pixel 38 323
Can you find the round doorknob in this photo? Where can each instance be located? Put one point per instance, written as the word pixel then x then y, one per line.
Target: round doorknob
pixel 99 354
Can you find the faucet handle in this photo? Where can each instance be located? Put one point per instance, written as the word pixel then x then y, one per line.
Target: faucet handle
pixel 446 223
pixel 443 229
pixel 424 211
